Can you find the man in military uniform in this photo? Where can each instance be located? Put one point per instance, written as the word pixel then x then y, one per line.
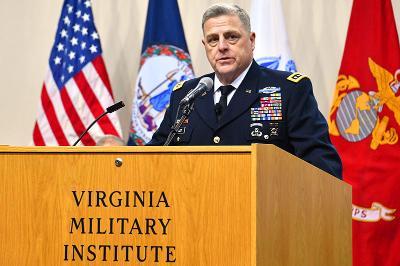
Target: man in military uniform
pixel 249 103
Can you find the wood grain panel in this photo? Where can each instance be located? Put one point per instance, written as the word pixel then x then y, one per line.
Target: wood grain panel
pixel 253 205
pixel 208 199
pixel 303 212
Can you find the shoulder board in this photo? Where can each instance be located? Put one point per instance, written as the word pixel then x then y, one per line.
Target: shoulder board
pixel 178 86
pixel 296 77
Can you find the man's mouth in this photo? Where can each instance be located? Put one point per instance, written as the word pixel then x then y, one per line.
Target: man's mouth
pixel 225 60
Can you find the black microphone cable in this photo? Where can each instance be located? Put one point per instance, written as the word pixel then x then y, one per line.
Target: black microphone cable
pixel 109 110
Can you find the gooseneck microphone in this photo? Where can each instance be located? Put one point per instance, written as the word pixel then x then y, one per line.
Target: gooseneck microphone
pixel 187 104
pixel 115 107
pixel 205 84
pixel 109 110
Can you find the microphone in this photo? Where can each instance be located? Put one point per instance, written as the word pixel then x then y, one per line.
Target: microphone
pixel 204 85
pixel 115 107
pixel 109 110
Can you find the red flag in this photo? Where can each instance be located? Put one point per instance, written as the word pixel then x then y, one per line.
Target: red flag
pixel 364 125
pixel 76 88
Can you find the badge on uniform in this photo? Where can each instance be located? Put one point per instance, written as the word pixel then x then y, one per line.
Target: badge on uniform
pixel 178 86
pixel 186 121
pixel 269 90
pixel 296 77
pixel 258 132
pixel 276 129
pixel 181 131
pixel 270 105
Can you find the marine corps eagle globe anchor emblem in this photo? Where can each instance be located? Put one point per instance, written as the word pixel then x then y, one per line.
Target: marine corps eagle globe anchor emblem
pixel 360 113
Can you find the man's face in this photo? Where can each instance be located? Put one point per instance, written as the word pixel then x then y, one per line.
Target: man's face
pixel 229 47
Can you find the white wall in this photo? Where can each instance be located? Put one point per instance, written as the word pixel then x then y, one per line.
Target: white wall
pixel 316 28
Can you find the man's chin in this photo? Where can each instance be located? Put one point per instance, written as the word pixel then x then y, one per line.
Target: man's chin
pixel 226 70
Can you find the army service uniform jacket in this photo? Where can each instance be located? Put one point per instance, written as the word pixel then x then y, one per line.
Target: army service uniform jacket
pixel 269 106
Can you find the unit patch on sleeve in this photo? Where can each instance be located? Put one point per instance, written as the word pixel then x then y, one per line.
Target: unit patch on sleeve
pixel 296 77
pixel 178 86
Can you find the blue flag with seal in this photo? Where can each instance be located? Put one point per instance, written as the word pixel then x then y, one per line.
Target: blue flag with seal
pixel 164 62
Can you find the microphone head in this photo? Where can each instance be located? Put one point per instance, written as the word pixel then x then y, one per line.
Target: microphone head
pixel 115 107
pixel 208 82
pixel 204 85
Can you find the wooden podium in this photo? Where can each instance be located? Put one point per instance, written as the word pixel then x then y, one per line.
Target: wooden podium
pixel 242 205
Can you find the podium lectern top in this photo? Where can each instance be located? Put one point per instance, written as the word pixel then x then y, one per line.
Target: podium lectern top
pixel 227 205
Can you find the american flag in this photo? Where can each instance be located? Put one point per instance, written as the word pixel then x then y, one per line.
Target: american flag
pixel 76 88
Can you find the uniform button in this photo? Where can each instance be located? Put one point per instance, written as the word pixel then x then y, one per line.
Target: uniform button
pixel 217 139
pixel 178 139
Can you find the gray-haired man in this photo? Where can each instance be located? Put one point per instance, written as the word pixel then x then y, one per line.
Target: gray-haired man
pixel 249 103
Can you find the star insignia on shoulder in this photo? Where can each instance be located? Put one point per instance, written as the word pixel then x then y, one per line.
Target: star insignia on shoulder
pixel 296 77
pixel 178 86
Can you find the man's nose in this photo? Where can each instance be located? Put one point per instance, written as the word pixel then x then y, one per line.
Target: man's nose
pixel 222 44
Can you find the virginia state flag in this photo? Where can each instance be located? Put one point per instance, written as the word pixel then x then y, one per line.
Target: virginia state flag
pixel 164 62
pixel 272 45
pixel 364 124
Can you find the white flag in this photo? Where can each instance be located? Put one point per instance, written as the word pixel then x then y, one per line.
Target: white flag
pixel 272 45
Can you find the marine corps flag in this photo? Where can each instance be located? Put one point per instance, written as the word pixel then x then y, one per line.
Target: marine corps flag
pixel 164 62
pixel 364 124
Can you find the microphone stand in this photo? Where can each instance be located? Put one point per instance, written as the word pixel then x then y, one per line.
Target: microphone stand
pixel 87 129
pixel 187 109
pixel 109 110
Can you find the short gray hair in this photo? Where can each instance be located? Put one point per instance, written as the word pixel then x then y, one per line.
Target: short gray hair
pixel 217 10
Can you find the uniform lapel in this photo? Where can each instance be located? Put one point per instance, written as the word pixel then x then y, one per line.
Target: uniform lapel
pixel 244 97
pixel 204 106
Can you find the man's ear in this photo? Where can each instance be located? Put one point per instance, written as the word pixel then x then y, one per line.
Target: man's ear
pixel 253 40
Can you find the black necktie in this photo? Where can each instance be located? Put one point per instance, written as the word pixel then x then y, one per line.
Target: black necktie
pixel 220 107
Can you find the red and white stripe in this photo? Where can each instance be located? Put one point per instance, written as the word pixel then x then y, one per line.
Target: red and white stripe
pixel 64 114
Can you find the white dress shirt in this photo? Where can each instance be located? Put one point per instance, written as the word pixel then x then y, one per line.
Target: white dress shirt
pixel 236 83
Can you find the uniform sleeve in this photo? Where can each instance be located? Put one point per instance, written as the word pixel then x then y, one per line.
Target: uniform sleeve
pixel 160 136
pixel 308 130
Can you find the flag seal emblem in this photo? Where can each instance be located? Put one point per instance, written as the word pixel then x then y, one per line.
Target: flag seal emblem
pixel 153 88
